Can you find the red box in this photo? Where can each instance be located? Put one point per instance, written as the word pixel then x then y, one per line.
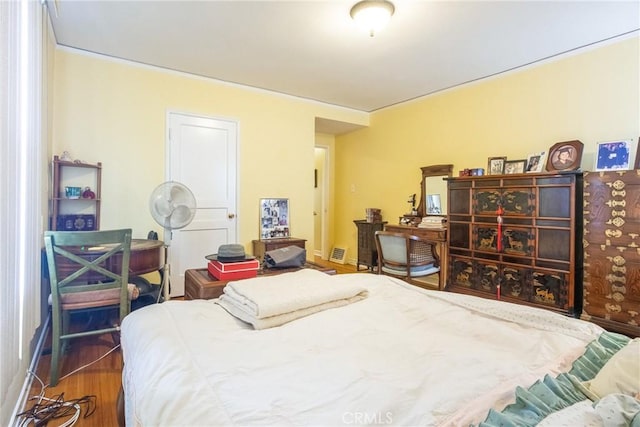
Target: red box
pixel 233 270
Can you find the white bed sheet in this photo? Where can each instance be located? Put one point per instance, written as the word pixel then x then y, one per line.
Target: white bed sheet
pixel 402 356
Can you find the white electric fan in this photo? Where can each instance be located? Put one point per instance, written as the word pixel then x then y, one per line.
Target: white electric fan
pixel 173 206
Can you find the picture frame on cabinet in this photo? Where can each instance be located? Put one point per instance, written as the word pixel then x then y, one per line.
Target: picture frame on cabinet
pixel 565 156
pixel 535 162
pixel 495 165
pixel 274 218
pixel 616 155
pixel 514 166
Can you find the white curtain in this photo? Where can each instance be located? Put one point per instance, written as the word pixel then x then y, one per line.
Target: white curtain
pixel 21 137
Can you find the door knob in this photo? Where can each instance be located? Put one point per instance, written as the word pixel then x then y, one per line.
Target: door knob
pixel 231 216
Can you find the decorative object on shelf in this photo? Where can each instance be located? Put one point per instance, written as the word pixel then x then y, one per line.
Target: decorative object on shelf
pixel 72 192
pixel 535 162
pixel 412 201
pixel 495 165
pixel 616 155
pixel 68 182
pixel 373 214
pixel 76 223
pixel 88 194
pixel 372 15
pixel 274 218
pixel 514 166
pixel 565 156
pixel 410 220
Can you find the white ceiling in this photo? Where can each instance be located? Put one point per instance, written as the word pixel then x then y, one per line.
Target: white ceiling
pixel 312 49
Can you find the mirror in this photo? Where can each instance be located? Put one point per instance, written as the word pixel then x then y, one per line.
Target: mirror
pixel 433 190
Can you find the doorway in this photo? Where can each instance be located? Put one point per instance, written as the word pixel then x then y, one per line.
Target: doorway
pixel 320 197
pixel 202 154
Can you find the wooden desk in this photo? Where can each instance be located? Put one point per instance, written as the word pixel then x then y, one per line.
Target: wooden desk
pixel 438 235
pixel 146 256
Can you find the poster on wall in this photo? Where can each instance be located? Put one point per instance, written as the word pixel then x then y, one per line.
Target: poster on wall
pixel 274 218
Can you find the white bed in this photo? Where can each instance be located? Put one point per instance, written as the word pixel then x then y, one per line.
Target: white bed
pixel 400 356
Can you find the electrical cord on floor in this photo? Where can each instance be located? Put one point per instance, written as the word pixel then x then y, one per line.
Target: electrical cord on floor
pixel 117 346
pixel 57 407
pixel 46 409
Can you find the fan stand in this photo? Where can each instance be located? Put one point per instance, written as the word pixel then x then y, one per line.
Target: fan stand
pixel 165 285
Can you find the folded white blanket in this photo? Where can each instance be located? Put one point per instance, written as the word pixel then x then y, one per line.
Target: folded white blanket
pixel 274 300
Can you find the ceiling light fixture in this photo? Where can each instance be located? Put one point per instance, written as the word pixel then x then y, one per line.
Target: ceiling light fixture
pixel 372 15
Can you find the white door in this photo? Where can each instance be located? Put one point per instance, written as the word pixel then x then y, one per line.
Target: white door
pixel 318 201
pixel 202 154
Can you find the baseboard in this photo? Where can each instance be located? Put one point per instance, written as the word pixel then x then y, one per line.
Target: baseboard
pixel 28 379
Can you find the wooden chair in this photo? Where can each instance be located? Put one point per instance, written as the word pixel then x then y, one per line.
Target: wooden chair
pixel 406 256
pixel 88 270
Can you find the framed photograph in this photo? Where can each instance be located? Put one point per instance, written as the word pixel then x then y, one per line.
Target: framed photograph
pixel 433 204
pixel 514 166
pixel 535 161
pixel 565 156
pixel 495 165
pixel 274 218
pixel 616 155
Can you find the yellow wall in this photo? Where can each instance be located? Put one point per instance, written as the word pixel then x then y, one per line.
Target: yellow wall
pixel 590 96
pixel 114 112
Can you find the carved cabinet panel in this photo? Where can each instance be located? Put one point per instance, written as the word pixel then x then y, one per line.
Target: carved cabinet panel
pixel 612 250
pixel 517 238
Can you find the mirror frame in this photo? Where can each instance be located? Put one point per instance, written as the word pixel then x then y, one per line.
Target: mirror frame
pixel 430 171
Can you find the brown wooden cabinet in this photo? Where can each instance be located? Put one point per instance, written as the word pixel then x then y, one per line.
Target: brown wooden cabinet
pixel 612 250
pixel 367 253
pixel 73 213
pixel 535 256
pixel 262 246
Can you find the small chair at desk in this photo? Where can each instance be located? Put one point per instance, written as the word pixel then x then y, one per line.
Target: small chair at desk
pixel 99 281
pixel 406 256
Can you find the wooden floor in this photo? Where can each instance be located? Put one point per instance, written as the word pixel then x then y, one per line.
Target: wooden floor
pixel 101 379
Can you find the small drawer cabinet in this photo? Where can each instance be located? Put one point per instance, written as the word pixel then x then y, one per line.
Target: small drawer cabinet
pixel 530 253
pixel 612 250
pixel 367 253
pixel 262 246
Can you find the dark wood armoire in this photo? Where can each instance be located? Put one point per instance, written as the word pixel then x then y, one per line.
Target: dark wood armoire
pixel 612 250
